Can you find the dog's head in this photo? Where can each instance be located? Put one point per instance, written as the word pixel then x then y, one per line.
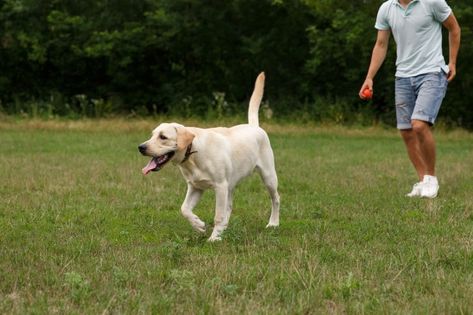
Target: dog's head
pixel 168 142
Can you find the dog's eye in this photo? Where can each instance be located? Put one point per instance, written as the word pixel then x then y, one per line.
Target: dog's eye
pixel 163 137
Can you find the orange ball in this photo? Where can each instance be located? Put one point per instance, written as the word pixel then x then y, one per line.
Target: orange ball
pixel 367 94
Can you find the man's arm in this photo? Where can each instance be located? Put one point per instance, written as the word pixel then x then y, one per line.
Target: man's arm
pixel 454 34
pixel 377 58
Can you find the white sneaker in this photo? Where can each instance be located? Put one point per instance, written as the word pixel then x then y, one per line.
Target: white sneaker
pixel 416 190
pixel 430 187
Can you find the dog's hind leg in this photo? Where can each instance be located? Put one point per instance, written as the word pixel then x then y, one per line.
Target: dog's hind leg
pixel 267 171
pixel 271 183
pixel 192 198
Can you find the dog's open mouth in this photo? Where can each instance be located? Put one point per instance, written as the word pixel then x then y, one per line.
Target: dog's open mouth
pixel 157 163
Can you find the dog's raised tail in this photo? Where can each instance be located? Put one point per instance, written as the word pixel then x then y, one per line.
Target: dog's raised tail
pixel 255 101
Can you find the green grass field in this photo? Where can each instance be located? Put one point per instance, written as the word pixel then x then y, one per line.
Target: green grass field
pixel 83 232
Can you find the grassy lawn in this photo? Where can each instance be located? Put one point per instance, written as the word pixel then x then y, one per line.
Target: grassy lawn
pixel 83 232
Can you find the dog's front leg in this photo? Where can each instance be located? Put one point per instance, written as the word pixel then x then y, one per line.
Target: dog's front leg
pixel 193 196
pixel 222 214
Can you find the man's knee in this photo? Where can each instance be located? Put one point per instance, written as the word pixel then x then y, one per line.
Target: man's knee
pixel 408 135
pixel 419 126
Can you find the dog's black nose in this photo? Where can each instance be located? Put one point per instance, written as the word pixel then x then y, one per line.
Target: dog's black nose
pixel 142 148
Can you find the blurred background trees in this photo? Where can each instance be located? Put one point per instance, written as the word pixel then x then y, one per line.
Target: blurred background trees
pixel 195 57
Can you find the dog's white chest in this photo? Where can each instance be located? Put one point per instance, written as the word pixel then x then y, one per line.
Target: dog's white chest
pixel 201 184
pixel 197 178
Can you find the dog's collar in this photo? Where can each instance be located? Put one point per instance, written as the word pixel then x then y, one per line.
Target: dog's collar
pixel 188 153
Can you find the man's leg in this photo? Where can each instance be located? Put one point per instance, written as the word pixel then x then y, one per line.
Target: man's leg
pixel 426 144
pixel 431 90
pixel 405 97
pixel 430 185
pixel 413 147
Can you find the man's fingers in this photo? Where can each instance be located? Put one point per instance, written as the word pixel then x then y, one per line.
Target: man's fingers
pixel 451 75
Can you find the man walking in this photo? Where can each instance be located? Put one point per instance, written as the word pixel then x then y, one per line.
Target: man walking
pixel 421 75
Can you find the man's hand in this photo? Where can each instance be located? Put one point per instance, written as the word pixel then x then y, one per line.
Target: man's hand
pixel 452 73
pixel 368 84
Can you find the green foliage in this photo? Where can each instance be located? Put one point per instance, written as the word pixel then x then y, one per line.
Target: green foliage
pixel 174 56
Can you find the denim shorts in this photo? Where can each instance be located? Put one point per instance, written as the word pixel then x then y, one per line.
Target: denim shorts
pixel 419 98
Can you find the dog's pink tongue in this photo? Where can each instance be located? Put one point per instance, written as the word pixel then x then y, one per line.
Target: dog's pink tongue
pixel 149 167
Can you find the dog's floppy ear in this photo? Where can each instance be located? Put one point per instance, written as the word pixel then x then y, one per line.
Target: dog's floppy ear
pixel 184 137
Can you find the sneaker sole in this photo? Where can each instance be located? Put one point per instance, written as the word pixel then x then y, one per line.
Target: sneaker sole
pixel 429 197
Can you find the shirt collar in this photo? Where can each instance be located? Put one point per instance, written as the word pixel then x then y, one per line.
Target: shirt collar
pixel 396 2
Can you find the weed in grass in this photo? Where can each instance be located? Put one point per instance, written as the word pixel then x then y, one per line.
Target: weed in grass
pixel 78 286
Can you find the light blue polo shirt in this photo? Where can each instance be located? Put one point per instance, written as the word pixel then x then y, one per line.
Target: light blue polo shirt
pixel 417 31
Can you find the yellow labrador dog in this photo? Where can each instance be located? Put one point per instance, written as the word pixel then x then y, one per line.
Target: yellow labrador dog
pixel 216 158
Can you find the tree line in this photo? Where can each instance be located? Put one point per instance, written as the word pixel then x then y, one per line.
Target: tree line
pixel 195 57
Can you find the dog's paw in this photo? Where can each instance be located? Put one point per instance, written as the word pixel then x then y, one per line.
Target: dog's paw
pixel 214 238
pixel 199 226
pixel 272 225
